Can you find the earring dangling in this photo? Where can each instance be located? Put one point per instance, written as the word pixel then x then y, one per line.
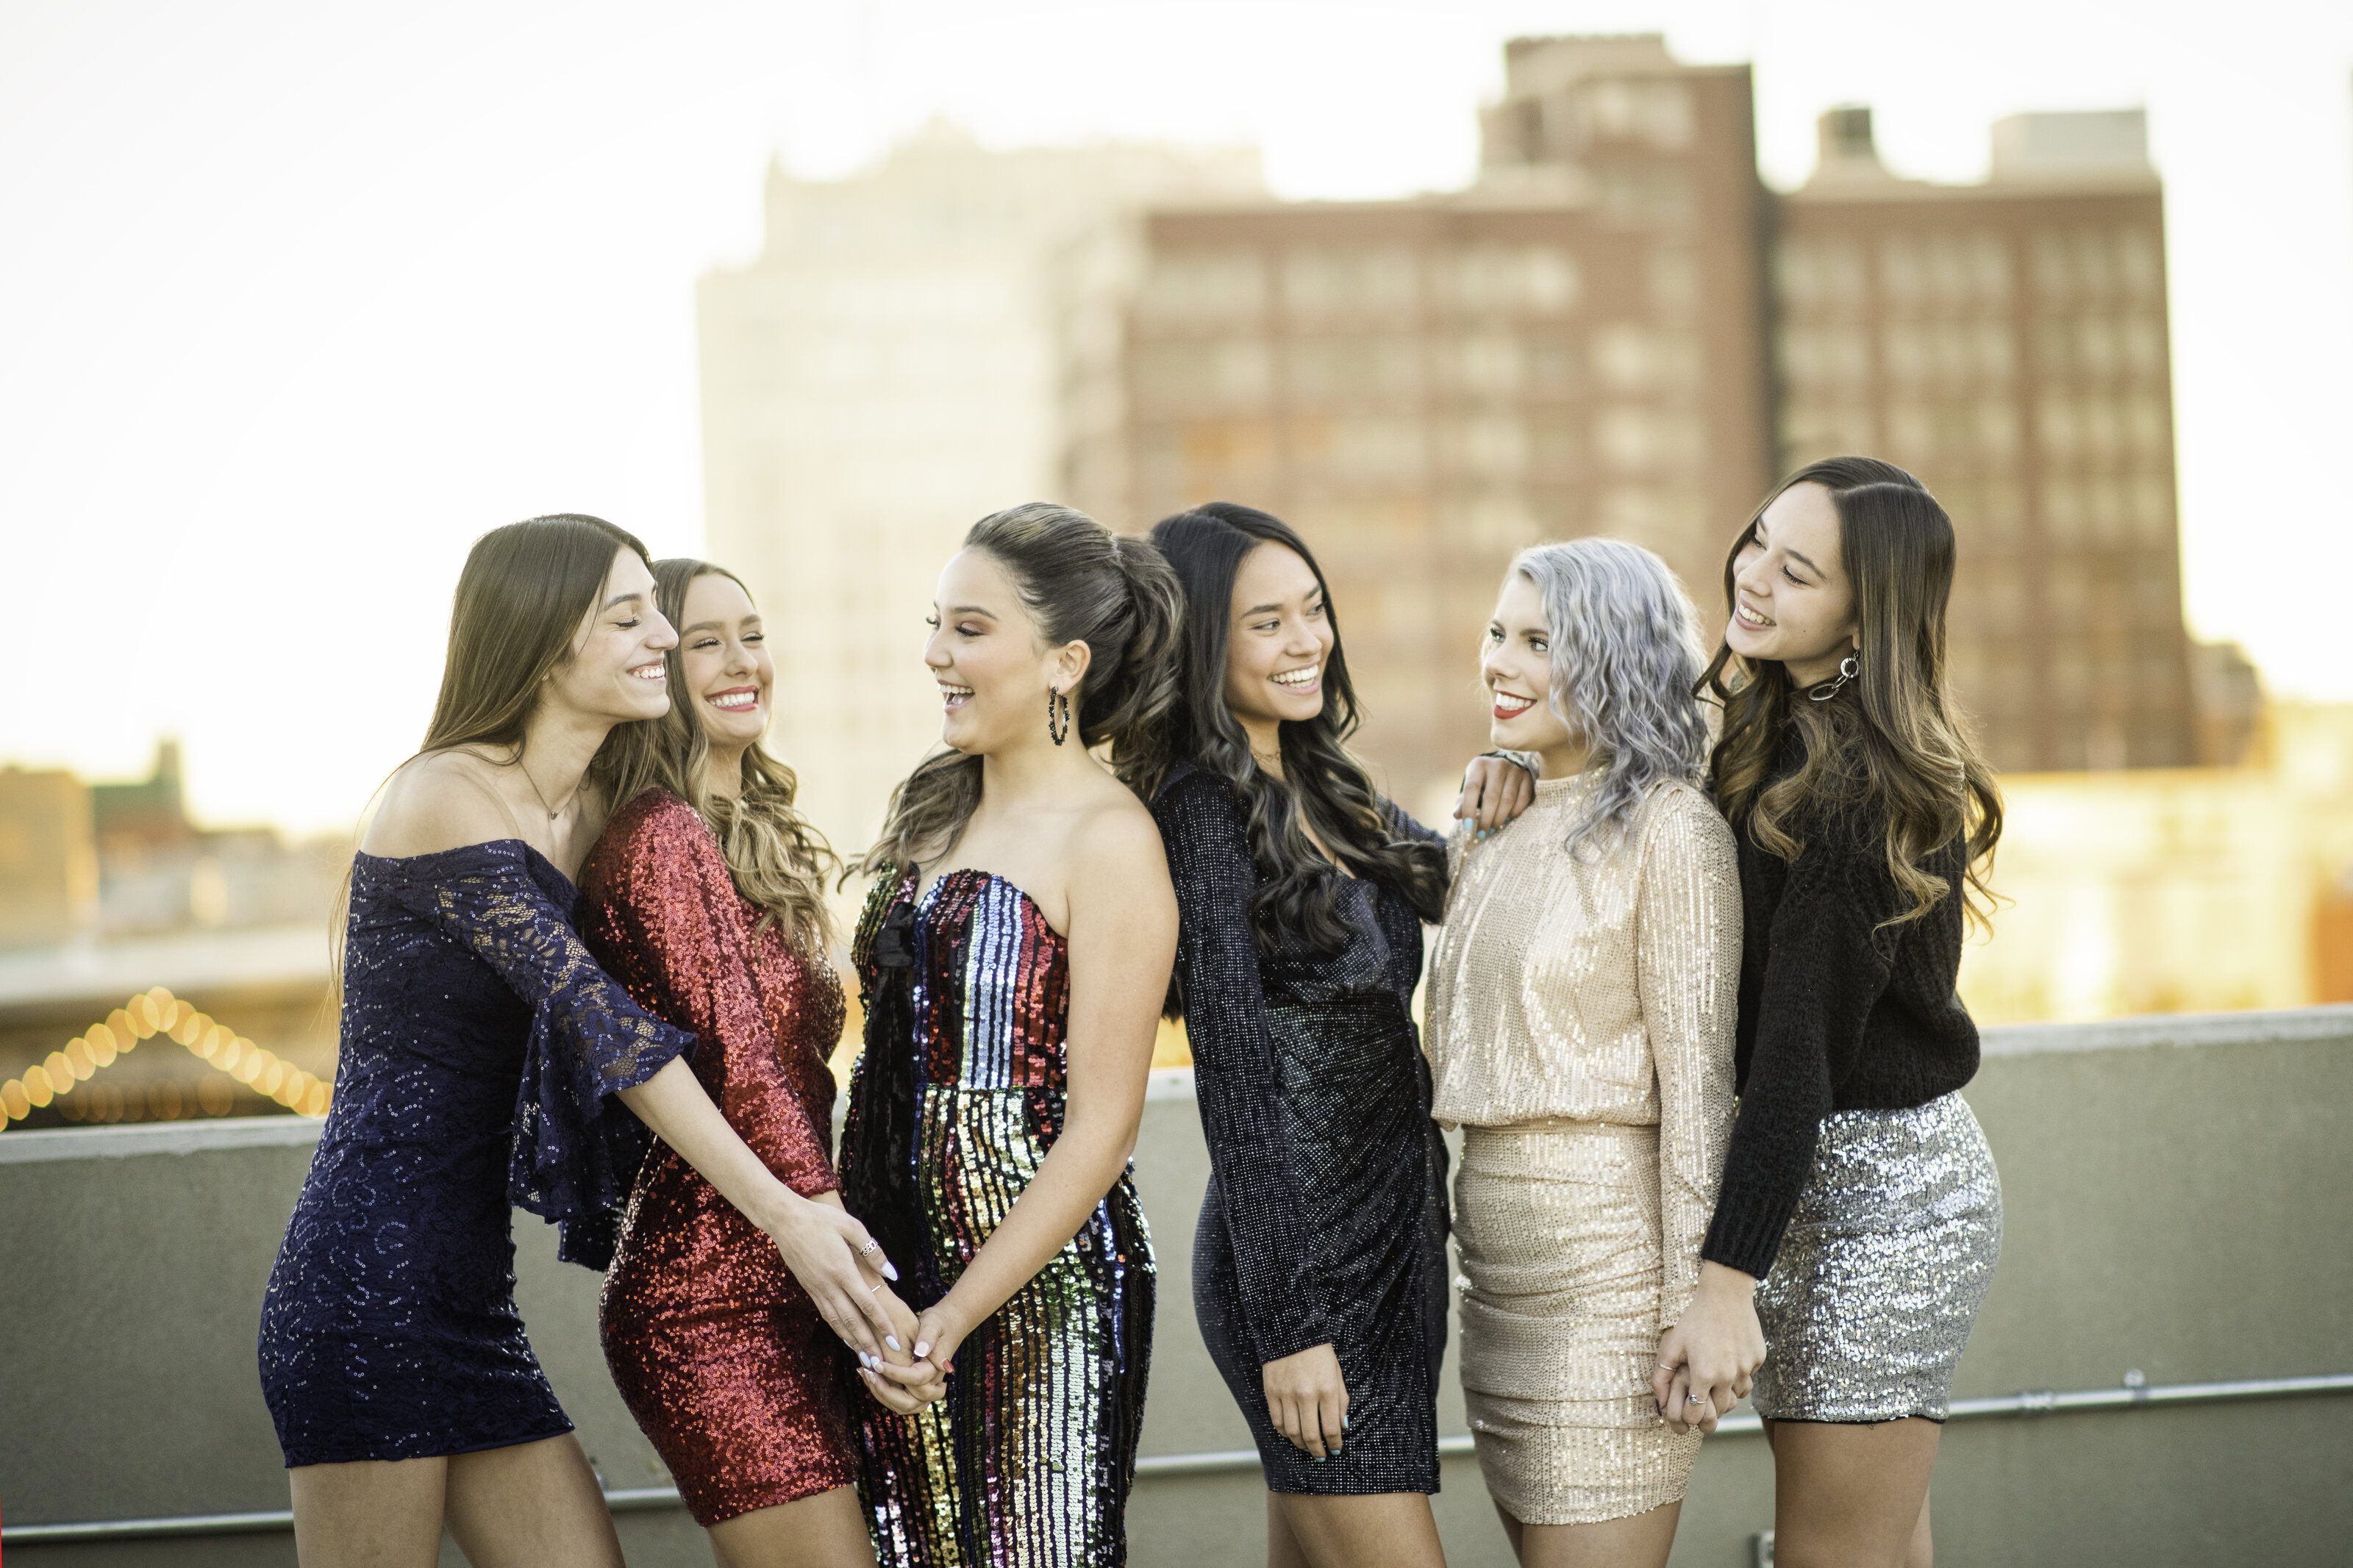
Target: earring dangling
pixel 1055 699
pixel 1848 669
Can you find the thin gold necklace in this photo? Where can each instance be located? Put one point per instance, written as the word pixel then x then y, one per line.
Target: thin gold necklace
pixel 553 811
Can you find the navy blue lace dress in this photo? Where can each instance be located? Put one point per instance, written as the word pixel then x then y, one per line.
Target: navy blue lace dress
pixel 481 1046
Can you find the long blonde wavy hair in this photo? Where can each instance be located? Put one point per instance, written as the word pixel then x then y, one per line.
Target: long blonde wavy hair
pixel 777 859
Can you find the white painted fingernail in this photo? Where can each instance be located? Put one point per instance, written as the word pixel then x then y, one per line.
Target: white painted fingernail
pixel 890 1270
pixel 891 1340
pixel 923 1349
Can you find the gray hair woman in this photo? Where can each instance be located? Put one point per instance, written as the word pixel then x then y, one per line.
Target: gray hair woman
pixel 1581 1018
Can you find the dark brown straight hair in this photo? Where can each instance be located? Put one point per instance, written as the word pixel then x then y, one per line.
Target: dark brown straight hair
pixel 1894 744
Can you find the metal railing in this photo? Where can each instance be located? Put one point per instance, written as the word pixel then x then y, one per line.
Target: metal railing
pixel 2133 1394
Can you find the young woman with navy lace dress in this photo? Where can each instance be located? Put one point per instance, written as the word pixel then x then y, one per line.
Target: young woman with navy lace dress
pixel 482 1051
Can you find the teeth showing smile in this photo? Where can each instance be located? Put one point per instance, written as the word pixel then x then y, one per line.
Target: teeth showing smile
pixel 650 672
pixel 1749 616
pixel 954 696
pixel 736 702
pixel 1511 704
pixel 1298 677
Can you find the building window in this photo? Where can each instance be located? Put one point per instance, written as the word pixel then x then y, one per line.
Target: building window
pixel 1191 287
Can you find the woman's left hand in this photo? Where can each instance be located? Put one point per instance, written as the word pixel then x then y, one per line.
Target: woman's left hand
pixel 939 1331
pixel 1494 791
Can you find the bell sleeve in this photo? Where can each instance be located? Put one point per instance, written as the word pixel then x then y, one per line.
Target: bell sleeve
pixel 575 1154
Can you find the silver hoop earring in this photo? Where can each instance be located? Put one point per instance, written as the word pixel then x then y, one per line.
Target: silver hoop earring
pixel 1848 670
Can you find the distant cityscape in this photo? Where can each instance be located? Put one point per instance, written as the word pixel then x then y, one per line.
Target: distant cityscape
pixel 1616 329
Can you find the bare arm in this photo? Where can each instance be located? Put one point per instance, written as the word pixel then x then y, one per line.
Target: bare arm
pixel 1122 941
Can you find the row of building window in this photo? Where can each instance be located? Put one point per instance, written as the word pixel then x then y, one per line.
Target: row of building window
pixel 1242 374
pixel 1377 450
pixel 1192 286
pixel 1835 275
pixel 2090 347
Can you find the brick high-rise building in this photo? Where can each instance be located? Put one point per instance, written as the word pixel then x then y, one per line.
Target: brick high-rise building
pixel 1617 331
pixel 2007 342
pixel 1423 388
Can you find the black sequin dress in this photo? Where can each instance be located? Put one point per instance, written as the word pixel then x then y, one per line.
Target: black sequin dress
pixel 1325 1216
pixel 481 1046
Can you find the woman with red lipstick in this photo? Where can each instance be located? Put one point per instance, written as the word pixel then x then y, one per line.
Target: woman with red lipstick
pixel 703 896
pixel 1319 1266
pixel 1580 1013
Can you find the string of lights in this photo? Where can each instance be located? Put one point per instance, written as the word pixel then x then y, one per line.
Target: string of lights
pixel 147 1014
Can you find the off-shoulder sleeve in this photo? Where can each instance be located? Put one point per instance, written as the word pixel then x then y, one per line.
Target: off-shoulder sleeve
pixel 575 1155
pixel 1687 938
pixel 1235 1079
pixel 664 915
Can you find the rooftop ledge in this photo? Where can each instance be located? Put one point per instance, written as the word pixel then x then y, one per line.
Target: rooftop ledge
pixel 2171 1030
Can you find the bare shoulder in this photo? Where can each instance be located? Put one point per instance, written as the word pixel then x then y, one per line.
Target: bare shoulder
pixel 1117 847
pixel 441 801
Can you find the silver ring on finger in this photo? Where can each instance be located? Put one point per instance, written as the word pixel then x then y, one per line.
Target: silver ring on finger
pixel 1694 1399
pixel 869 1246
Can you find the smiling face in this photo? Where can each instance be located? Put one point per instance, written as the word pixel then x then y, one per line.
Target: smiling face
pixel 615 671
pixel 724 654
pixel 1517 669
pixel 1791 598
pixel 991 661
pixel 1277 643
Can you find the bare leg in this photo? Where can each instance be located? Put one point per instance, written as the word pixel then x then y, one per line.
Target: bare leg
pixel 1383 1530
pixel 533 1505
pixel 1283 1548
pixel 809 1533
pixel 1923 1553
pixel 1511 1531
pixel 1851 1496
pixel 1643 1541
pixel 373 1513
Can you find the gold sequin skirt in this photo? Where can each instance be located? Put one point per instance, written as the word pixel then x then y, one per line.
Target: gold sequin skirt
pixel 1561 1273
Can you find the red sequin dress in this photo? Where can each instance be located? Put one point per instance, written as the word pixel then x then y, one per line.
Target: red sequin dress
pixel 721 1354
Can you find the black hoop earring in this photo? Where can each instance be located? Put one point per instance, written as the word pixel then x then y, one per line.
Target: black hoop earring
pixel 1055 699
pixel 1848 669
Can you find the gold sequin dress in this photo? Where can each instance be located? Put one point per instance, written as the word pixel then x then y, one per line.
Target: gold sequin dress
pixel 1581 1015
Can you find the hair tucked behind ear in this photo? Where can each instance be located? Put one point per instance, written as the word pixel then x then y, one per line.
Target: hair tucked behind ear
pixel 1324 790
pixel 1081 583
pixel 1896 745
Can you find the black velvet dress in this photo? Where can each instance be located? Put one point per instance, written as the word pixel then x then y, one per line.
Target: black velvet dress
pixel 1325 1216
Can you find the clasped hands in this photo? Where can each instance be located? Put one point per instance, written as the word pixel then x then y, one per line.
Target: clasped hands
pixel 847 1274
pixel 1709 1358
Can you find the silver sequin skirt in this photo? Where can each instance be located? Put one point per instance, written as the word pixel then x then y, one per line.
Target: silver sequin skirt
pixel 1870 1302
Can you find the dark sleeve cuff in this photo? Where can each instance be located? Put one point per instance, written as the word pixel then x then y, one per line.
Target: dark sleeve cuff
pixel 1746 1238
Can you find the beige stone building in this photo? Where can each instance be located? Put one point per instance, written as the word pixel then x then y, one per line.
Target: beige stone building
pixel 913 348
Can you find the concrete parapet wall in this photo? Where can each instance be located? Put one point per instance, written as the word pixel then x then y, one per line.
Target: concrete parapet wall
pixel 2177 1205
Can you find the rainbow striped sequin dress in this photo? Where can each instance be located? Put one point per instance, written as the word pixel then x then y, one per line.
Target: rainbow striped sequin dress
pixel 958 1096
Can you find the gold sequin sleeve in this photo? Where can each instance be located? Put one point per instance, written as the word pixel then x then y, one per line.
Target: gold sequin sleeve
pixel 1687 945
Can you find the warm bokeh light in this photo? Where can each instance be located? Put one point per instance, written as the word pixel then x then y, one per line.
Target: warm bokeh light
pixel 145 1015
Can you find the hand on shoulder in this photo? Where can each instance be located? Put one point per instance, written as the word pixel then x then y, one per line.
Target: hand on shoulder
pixel 442 801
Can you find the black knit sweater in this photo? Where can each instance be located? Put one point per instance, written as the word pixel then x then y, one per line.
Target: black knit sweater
pixel 1837 1013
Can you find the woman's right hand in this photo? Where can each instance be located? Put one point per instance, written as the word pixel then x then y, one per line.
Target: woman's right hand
pixel 843 1271
pixel 1307 1399
pixel 1707 1361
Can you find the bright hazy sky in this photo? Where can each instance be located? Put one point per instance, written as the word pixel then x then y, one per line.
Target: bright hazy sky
pixel 297 297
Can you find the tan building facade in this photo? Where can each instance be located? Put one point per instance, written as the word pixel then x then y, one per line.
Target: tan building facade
pixel 910 351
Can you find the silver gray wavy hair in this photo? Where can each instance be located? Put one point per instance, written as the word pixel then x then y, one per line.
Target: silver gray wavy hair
pixel 1626 662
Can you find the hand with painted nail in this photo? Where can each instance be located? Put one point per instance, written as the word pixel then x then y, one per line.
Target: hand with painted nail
pixel 1496 788
pixel 938 1332
pixel 1307 1399
pixel 843 1269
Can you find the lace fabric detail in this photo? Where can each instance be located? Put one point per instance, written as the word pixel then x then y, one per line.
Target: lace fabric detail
pixel 575 1155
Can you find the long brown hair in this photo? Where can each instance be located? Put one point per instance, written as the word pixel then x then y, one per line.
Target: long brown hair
pixel 777 859
pixel 1324 790
pixel 522 597
pixel 1896 747
pixel 1081 583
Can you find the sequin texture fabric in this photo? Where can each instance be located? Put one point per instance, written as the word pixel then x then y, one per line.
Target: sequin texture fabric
pixel 1029 1459
pixel 1883 1267
pixel 1324 1219
pixel 719 1352
pixel 481 1046
pixel 1581 1017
